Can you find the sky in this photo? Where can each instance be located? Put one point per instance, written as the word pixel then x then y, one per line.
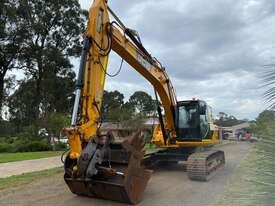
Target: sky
pixel 212 50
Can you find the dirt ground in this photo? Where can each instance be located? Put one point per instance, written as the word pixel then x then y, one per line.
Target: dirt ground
pixel 168 186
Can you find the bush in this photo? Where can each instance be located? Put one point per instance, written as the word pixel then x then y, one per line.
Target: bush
pixel 60 146
pixel 21 146
pixel 5 147
pixel 33 147
pixel 28 133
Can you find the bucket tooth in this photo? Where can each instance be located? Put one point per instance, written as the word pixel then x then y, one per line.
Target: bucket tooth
pixel 122 182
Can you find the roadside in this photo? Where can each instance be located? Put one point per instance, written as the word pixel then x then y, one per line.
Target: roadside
pixel 16 168
pixel 168 186
pixel 253 183
pixel 26 178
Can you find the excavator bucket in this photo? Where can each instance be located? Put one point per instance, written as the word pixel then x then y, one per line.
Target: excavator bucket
pixel 124 180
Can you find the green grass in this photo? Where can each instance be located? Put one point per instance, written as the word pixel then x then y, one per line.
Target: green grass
pixel 13 157
pixel 149 146
pixel 27 178
pixel 254 182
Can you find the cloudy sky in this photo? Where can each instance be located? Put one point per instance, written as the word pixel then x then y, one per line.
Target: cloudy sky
pixel 212 50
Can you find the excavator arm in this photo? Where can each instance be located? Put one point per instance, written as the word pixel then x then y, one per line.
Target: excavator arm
pixel 101 37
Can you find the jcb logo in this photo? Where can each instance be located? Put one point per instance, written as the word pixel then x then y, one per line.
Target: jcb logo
pixel 143 61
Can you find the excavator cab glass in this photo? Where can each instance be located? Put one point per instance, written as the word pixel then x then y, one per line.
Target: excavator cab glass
pixel 192 120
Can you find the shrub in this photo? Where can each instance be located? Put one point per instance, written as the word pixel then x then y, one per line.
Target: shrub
pixel 33 146
pixel 23 146
pixel 5 147
pixel 28 133
pixel 60 146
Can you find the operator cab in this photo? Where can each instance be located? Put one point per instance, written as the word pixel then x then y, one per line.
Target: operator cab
pixel 193 120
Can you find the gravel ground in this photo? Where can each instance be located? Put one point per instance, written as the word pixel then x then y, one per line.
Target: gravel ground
pixel 168 186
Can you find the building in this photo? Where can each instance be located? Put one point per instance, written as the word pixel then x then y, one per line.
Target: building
pixel 234 131
pixel 121 130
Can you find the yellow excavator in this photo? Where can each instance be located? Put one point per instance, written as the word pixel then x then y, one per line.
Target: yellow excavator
pixel 98 166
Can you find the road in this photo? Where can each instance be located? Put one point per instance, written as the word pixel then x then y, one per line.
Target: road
pixel 166 187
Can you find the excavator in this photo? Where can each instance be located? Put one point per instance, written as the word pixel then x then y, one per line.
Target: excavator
pixel 98 166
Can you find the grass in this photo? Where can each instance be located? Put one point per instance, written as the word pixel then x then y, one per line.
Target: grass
pixel 13 157
pixel 27 178
pixel 254 182
pixel 149 146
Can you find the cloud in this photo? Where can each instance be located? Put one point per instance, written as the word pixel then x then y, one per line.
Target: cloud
pixel 213 50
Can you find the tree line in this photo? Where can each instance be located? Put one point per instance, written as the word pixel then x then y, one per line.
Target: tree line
pixel 264 125
pixel 116 109
pixel 37 41
pixel 23 128
pixel 226 120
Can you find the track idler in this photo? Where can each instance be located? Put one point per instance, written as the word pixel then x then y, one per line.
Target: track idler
pixel 94 174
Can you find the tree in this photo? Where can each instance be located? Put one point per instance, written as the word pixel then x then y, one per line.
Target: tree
pixel 112 99
pixel 222 115
pixel 9 85
pixel 143 103
pixel 54 124
pixel 127 111
pixel 58 95
pixel 53 36
pixel 21 103
pixel 12 34
pixel 6 129
pixel 115 109
pixel 265 124
pixel 112 105
pixel 226 120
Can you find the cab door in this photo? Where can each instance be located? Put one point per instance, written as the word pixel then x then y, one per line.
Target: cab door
pixel 191 121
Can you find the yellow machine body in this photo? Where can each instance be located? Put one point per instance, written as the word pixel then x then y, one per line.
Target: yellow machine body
pixel 105 36
pixel 90 168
